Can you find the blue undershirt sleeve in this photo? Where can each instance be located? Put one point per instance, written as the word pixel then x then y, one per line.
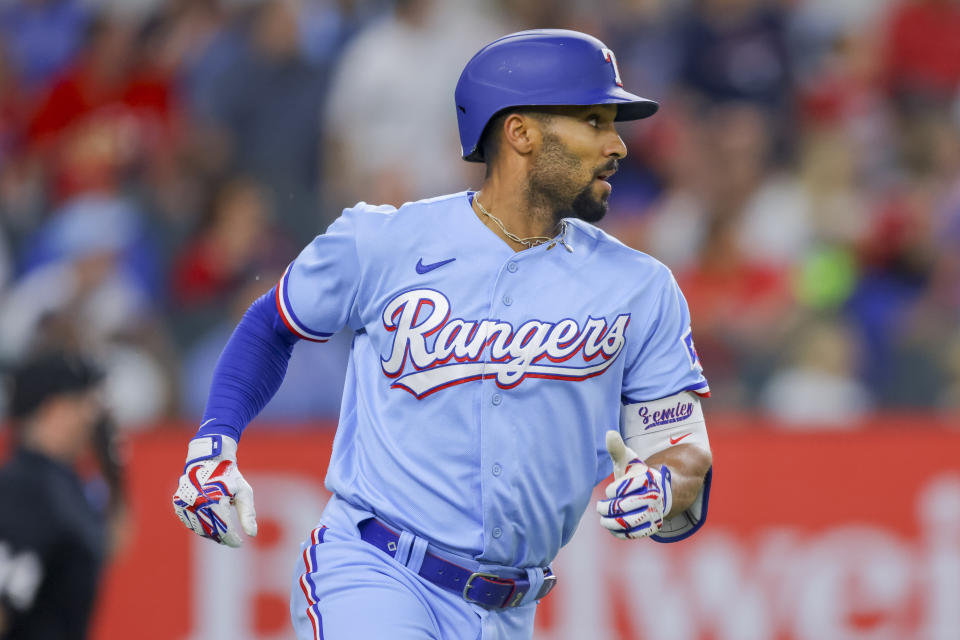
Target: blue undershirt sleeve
pixel 250 369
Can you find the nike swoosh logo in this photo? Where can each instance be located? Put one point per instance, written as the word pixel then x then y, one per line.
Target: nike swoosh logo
pixel 679 438
pixel 426 268
pixel 206 422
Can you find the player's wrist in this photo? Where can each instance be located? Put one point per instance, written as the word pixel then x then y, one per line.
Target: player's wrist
pixel 209 447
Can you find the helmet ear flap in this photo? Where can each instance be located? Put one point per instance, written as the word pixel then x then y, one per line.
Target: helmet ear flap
pixel 540 67
pixel 487 143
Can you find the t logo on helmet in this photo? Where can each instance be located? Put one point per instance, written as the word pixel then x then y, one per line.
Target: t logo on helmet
pixel 612 59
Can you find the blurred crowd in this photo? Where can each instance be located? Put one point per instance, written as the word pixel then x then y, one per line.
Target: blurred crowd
pixel 161 161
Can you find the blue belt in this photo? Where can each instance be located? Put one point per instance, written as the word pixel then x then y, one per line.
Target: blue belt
pixel 485 589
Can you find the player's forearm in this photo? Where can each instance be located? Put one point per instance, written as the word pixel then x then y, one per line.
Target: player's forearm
pixel 250 370
pixel 688 466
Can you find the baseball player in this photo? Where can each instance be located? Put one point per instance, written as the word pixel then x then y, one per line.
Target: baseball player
pixel 507 355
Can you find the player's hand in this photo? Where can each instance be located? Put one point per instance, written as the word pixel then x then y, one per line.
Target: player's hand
pixel 638 498
pixel 210 484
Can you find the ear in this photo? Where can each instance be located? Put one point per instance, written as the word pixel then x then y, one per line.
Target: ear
pixel 521 132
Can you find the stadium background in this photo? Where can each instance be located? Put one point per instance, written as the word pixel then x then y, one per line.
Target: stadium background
pixel 162 161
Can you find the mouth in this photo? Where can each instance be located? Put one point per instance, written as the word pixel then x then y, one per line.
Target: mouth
pixel 603 179
pixel 606 174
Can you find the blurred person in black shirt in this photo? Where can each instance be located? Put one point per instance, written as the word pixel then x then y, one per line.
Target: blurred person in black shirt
pixel 53 529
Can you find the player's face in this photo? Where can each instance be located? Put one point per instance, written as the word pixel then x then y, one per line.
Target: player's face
pixel 579 152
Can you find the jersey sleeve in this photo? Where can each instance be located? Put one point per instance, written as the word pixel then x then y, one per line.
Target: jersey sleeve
pixel 667 361
pixel 317 293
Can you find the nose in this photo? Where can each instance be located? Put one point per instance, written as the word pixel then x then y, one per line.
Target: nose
pixel 615 147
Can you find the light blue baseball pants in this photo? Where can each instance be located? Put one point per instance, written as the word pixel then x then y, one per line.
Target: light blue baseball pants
pixel 345 588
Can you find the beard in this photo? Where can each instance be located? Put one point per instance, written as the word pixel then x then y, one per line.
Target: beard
pixel 551 189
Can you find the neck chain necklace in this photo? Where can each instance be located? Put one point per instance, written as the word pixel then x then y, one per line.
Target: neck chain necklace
pixel 533 241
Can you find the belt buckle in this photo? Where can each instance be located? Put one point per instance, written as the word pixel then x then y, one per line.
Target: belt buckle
pixel 474 576
pixel 549 582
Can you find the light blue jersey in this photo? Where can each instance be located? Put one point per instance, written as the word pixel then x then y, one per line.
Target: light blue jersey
pixel 481 380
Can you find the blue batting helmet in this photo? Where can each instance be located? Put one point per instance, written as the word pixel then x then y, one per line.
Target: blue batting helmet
pixel 540 67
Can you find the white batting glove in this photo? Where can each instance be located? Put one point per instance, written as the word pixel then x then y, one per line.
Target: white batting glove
pixel 638 498
pixel 211 483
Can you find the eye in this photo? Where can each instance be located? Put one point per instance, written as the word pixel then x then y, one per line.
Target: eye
pixel 593 120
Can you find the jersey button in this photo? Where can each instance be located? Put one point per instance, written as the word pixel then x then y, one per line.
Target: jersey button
pixel 496 399
pixel 497 532
pixel 497 469
pixel 512 267
pixel 507 300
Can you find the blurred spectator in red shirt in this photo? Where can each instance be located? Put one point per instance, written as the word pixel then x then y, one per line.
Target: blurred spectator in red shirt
pixel 236 243
pixel 922 56
pixel 742 309
pixel 109 111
